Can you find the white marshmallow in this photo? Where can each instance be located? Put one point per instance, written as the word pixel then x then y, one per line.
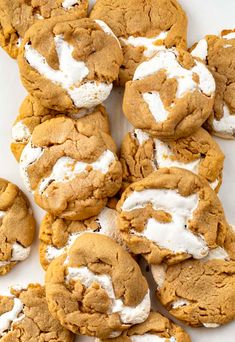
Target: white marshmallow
pixel 28 157
pixel 66 169
pixel 179 303
pixel 128 315
pixel 149 44
pixel 20 132
pixel 201 49
pixel 141 136
pixel 173 235
pixel 211 325
pixel 68 4
pixel 226 124
pixel 156 106
pixel 70 75
pixel 218 253
pixel 228 36
pixel 10 317
pixel 2 215
pixel 19 253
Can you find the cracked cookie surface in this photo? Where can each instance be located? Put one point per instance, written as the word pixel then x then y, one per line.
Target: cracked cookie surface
pixel 141 155
pixel 17 226
pixel 32 113
pixel 69 64
pixel 57 235
pixel 155 326
pixel 71 169
pixel 17 16
pixel 24 317
pixel 200 292
pixel 98 294
pixel 170 216
pixel 143 27
pixel 171 95
pixel 218 52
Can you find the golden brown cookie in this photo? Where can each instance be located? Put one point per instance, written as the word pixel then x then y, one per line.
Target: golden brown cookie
pixel 71 169
pixel 141 155
pixel 17 226
pixel 97 289
pixel 32 113
pixel 24 317
pixel 156 328
pixel 142 28
pixel 170 96
pixel 69 64
pixel 218 52
pixel 200 292
pixel 17 16
pixel 57 235
pixel 170 216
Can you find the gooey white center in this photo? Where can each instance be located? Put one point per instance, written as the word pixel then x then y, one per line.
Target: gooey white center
pixel 19 253
pixel 167 60
pixel 10 317
pixel 173 235
pixel 150 45
pixel 128 315
pixel 68 4
pixel 70 75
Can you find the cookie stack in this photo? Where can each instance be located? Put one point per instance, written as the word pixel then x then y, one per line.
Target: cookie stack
pixel 166 208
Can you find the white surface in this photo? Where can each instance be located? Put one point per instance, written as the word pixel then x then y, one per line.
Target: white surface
pixel 205 17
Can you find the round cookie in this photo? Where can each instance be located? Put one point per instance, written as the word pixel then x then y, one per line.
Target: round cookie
pixel 17 226
pixel 69 64
pixel 32 113
pixel 199 153
pixel 142 28
pixel 170 96
pixel 24 317
pixel 98 294
pixel 200 292
pixel 156 328
pixel 57 235
pixel 218 52
pixel 70 168
pixel 170 216
pixel 17 16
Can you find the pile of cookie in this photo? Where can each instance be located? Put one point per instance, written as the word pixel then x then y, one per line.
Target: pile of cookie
pixel 155 199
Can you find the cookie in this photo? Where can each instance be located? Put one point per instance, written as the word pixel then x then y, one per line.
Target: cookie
pixel 98 294
pixel 142 28
pixel 218 52
pixel 170 216
pixel 24 317
pixel 56 235
pixel 69 64
pixel 199 153
pixel 171 95
pixel 17 226
pixel 156 328
pixel 17 16
pixel 200 292
pixel 32 113
pixel 70 168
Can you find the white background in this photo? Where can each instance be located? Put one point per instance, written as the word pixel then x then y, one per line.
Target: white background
pixel 205 16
